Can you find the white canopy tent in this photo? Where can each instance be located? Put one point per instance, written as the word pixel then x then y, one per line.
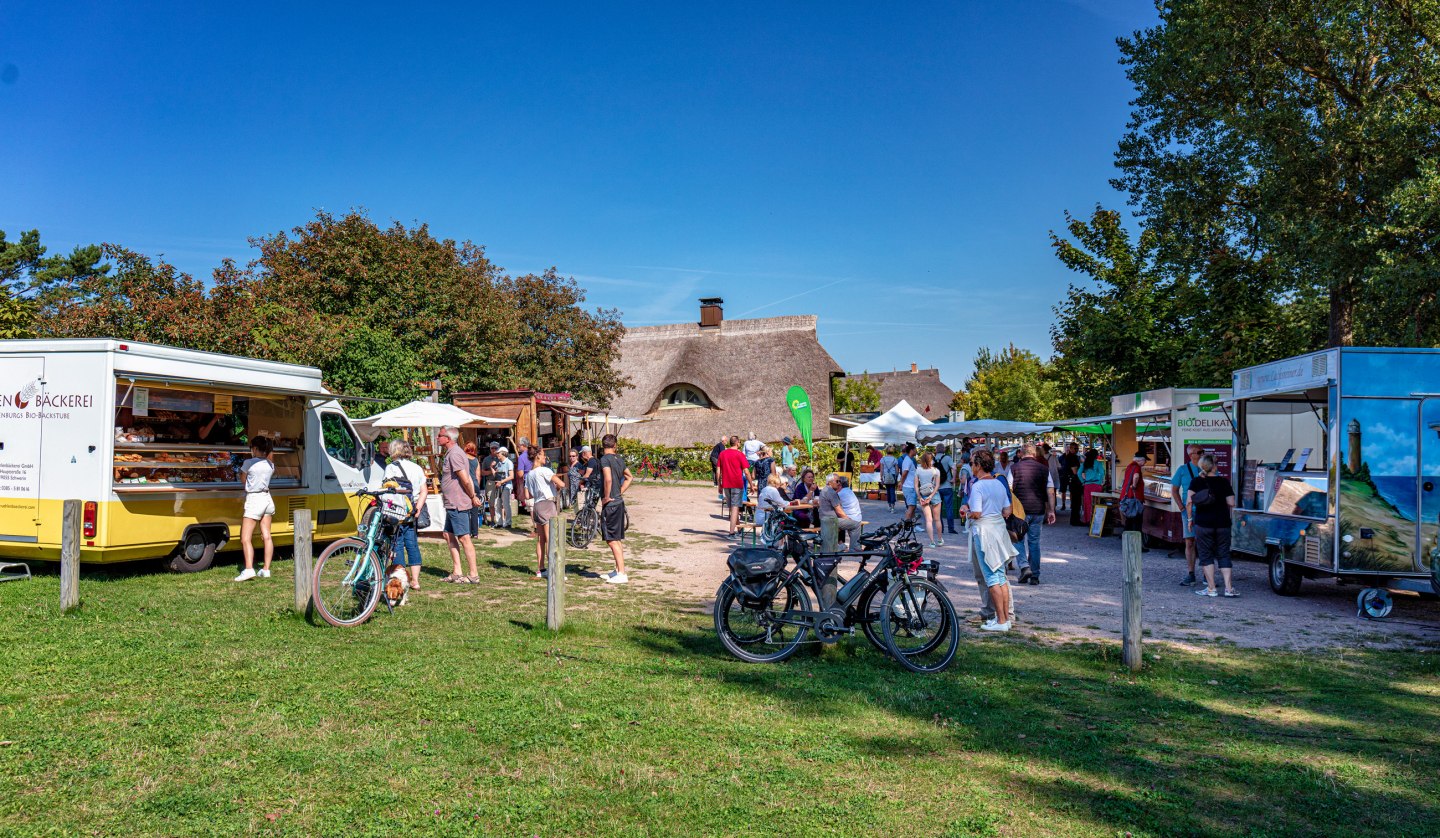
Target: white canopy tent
pixel 420 415
pixel 893 427
pixel 947 431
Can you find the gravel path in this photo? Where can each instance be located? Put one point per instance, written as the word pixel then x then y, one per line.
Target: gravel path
pixel 1079 598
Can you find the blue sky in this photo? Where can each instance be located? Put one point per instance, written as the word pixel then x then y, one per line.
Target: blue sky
pixel 893 168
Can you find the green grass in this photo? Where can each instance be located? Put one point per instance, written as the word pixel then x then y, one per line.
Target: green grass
pixel 188 705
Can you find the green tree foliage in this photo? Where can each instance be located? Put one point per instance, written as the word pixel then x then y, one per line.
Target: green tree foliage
pixel 1013 384
pixel 28 277
pixel 857 395
pixel 1285 152
pixel 374 308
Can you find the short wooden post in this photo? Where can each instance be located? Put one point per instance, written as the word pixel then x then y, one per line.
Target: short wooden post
pixel 1130 546
pixel 304 560
pixel 829 535
pixel 70 555
pixel 555 575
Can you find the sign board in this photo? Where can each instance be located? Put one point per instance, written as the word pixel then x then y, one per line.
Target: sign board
pixel 140 404
pixel 1097 519
pixel 224 405
pixel 1299 373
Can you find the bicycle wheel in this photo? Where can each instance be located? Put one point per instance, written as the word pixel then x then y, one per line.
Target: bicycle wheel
pixel 867 614
pixel 919 625
pixel 748 631
pixel 582 528
pixel 346 583
pixel 670 476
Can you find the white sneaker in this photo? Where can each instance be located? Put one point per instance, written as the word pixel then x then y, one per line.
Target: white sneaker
pixel 245 575
pixel 992 626
pixel 263 573
pixel 617 578
pixel 540 574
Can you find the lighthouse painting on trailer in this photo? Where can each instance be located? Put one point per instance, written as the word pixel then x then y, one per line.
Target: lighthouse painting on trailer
pixel 1379 486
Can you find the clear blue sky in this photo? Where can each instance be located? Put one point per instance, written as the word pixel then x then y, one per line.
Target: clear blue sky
pixel 893 168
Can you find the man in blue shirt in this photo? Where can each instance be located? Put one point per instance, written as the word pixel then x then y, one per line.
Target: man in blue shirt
pixel 787 457
pixel 1180 479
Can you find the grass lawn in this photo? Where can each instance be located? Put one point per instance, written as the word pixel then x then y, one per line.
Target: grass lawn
pixel 189 705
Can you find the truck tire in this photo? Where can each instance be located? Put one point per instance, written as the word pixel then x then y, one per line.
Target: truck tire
pixel 196 553
pixel 1285 578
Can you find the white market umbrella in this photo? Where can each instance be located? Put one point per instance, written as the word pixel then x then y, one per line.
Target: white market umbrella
pixel 893 427
pixel 422 415
pixel 946 431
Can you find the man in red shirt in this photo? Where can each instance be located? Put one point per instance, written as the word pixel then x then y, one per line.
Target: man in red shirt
pixel 734 474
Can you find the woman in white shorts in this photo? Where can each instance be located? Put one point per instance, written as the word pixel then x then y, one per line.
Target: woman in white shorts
pixel 259 507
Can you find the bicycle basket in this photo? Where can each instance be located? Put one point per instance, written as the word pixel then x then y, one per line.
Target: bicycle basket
pixel 396 507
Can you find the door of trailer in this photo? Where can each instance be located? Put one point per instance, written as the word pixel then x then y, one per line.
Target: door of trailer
pixel 1429 489
pixel 21 439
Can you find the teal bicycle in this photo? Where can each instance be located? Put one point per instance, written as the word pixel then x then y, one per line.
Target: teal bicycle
pixel 349 574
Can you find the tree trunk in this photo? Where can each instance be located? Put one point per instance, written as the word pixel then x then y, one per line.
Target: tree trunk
pixel 1342 313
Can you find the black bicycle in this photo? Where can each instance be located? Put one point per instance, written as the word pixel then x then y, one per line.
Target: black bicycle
pixel 763 612
pixel 586 523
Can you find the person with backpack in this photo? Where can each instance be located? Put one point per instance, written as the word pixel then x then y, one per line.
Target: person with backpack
pixel 946 466
pixel 1210 500
pixel 1180 482
pixel 409 476
pixel 889 476
pixel 1132 492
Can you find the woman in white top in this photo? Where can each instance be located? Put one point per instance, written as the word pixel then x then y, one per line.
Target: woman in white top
pixel 926 483
pixel 987 507
pixel 541 482
pixel 259 507
pixel 407 541
pixel 772 499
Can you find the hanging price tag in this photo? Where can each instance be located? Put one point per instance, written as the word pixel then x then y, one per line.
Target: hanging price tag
pixel 140 405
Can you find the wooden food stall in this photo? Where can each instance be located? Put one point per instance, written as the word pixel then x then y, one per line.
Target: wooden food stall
pixel 554 421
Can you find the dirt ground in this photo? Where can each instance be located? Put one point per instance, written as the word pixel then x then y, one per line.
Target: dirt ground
pixel 677 533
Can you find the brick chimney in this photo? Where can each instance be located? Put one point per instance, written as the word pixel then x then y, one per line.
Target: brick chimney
pixel 711 312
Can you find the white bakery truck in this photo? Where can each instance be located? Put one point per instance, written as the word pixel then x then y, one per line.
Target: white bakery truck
pixel 150 439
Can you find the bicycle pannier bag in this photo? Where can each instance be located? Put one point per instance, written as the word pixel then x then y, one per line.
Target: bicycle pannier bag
pixel 756 571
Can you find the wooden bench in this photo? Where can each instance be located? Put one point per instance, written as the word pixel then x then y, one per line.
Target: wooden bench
pixel 751 527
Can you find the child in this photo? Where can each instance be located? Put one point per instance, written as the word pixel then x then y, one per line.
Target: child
pixel 259 507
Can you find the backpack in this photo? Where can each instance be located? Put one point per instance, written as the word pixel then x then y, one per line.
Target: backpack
pixel 889 472
pixel 944 470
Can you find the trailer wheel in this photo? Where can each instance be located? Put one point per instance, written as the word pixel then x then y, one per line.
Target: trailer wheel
pixel 1284 579
pixel 196 553
pixel 1374 603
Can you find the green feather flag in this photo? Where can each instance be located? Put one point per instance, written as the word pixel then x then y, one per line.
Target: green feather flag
pixel 800 409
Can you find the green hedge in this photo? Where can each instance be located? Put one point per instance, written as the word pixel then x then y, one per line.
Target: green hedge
pixel 695 461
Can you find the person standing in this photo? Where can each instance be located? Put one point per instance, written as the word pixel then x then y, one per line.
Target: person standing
pixel 715 468
pixel 259 507
pixel 1070 481
pixel 1180 482
pixel 752 448
pixel 572 478
pixel 946 466
pixel 1210 501
pixel 788 456
pixel 407 541
pixel 487 482
pixel 457 494
pixel 1132 492
pixel 987 507
pixel 522 468
pixel 762 467
pixel 613 520
pixel 907 481
pixel 890 476
pixel 504 488
pixel 1092 480
pixel 1052 458
pixel 927 494
pixel 541 483
pixel 733 475
pixel 470 454
pixel 1030 481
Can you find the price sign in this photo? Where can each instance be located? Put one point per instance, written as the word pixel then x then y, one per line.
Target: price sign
pixel 140 403
pixel 224 405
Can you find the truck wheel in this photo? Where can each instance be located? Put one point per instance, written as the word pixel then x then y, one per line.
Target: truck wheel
pixel 196 553
pixel 1285 578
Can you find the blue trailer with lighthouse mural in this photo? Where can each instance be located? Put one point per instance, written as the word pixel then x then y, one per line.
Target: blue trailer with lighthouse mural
pixel 1338 470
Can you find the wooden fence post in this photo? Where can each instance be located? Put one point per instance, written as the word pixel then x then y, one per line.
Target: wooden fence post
pixel 304 560
pixel 555 574
pixel 1131 631
pixel 70 555
pixel 829 535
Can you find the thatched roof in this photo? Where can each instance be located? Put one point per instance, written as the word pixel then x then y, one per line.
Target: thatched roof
pixel 921 388
pixel 743 367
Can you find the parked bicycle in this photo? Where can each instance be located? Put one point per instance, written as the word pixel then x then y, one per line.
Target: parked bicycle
pixel 349 574
pixel 763 612
pixel 663 470
pixel 586 523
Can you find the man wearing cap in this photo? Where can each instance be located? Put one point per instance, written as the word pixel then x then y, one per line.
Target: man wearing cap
pixel 589 471
pixel 504 487
pixel 787 457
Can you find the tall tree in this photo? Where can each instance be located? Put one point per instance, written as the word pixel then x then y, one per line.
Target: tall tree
pixel 857 395
pixel 1012 384
pixel 1292 140
pixel 28 279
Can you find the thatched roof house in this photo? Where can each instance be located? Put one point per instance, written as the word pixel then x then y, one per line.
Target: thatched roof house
pixel 923 389
pixel 696 381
